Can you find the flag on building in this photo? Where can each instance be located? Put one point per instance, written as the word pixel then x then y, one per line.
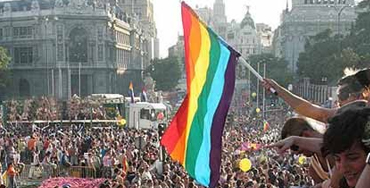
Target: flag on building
pixel 266 125
pixel 131 92
pixel 194 136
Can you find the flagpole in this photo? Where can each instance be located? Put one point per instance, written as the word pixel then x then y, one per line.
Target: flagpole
pixel 264 94
pixel 258 85
pixel 245 63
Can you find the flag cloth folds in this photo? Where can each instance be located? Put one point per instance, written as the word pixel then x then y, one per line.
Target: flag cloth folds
pixel 131 92
pixel 266 125
pixel 194 136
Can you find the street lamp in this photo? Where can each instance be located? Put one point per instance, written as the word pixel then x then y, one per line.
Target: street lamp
pixel 339 10
pixel 45 22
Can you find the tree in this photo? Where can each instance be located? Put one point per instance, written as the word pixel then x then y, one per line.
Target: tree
pixel 276 68
pixel 4 73
pixel 4 61
pixel 327 55
pixel 165 72
pixel 320 58
pixel 359 39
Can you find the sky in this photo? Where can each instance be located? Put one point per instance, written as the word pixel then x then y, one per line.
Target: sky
pixel 167 16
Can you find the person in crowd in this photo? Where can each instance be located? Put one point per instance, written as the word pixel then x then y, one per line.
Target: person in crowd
pixel 11 174
pixel 313 144
pixel 349 151
pixel 35 165
pixel 320 168
pixel 350 88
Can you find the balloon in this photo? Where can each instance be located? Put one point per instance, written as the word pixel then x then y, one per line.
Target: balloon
pixel 121 121
pixel 254 94
pixel 258 110
pixel 245 164
pixel 301 160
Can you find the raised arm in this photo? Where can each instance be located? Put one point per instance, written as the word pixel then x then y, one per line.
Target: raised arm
pixel 310 144
pixel 300 105
pixel 364 180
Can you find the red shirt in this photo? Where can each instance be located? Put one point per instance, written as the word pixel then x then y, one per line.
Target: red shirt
pixel 11 171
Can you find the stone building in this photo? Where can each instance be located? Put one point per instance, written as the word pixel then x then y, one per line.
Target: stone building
pixel 307 18
pixel 143 10
pixel 244 37
pixel 65 47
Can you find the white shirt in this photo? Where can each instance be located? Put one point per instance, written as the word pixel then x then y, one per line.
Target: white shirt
pixel 36 159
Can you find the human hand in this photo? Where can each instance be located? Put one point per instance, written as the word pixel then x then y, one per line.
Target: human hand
pixel 271 85
pixel 283 145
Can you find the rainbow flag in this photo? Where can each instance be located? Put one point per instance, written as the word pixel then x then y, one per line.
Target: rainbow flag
pixel 266 125
pixel 131 92
pixel 194 136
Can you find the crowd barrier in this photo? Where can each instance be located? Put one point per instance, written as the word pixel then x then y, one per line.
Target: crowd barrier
pixel 43 172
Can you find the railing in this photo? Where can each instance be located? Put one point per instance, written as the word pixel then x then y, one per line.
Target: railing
pixel 32 175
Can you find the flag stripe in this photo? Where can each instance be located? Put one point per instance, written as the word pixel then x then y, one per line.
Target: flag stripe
pixel 219 120
pixel 191 32
pixel 203 170
pixel 197 126
pixel 201 67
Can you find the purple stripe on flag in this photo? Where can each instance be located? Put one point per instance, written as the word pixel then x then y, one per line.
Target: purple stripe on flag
pixel 219 119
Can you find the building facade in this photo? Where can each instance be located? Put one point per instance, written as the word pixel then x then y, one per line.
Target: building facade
pixel 61 48
pixel 143 11
pixel 307 18
pixel 244 36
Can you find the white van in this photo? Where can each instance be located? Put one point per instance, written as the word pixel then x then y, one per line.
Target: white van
pixel 144 115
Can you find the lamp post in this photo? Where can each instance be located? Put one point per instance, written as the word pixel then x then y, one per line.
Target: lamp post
pixel 258 84
pixel 339 10
pixel 339 14
pixel 46 19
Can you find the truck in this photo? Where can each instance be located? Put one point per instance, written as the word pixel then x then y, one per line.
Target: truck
pixel 144 115
pixel 138 115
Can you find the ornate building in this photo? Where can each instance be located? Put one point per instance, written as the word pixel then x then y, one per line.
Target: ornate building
pixel 244 37
pixel 307 18
pixel 65 47
pixel 143 10
pixel 219 16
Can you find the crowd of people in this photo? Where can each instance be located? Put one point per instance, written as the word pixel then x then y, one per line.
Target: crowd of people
pixel 292 152
pixel 51 109
pixel 133 158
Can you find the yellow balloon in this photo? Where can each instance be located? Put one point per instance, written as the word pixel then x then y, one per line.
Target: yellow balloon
pixel 258 110
pixel 245 164
pixel 301 160
pixel 121 121
pixel 254 94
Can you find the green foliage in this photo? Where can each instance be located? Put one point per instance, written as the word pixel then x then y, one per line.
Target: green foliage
pixel 4 58
pixel 327 56
pixel 4 61
pixel 319 59
pixel 165 72
pixel 276 68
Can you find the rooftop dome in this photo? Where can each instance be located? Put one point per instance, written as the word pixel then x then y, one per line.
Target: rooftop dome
pixel 247 20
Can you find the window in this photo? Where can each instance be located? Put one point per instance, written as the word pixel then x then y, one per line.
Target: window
pixel 1 33
pixel 22 32
pixel 145 114
pixel 100 33
pixel 23 55
pixel 100 52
